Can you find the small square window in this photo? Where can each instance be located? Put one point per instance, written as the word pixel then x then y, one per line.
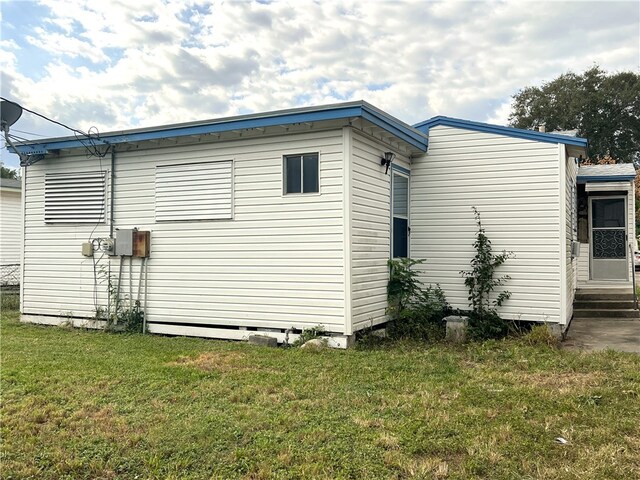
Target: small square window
pixel 301 173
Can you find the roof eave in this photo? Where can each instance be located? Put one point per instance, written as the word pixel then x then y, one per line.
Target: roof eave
pixel 500 130
pixel 283 117
pixel 605 178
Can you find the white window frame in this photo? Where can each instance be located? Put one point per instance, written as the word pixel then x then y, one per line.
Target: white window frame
pixel 284 173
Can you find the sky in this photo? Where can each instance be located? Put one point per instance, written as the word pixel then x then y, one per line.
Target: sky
pixel 137 63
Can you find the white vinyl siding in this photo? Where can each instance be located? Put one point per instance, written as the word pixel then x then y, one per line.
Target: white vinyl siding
pixel 197 191
pixel 515 185
pixel 571 233
pixel 371 232
pixel 278 264
pixel 74 197
pixel 10 226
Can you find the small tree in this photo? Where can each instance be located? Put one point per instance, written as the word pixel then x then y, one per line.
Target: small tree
pixel 481 281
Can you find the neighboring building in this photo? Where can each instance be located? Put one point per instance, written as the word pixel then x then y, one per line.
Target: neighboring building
pixel 10 230
pixel 283 221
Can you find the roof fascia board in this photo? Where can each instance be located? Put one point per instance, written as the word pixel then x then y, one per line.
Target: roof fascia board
pixel 605 178
pixel 500 130
pixel 288 117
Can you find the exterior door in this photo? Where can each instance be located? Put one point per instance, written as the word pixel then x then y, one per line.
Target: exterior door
pixel 609 251
pixel 399 215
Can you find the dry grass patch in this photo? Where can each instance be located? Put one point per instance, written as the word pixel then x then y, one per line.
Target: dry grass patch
pixel 222 362
pixel 561 382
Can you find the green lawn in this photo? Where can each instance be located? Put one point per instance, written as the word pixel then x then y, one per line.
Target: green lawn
pixel 81 404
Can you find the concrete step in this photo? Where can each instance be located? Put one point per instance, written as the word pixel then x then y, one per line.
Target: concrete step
pixel 605 313
pixel 603 304
pixel 603 295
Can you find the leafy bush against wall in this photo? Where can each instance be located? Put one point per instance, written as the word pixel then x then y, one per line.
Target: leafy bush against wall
pixel 481 280
pixel 416 311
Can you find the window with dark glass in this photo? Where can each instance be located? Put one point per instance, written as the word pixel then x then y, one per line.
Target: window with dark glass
pixel 301 173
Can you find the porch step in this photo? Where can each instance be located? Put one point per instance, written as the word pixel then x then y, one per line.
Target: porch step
pixel 606 313
pixel 604 294
pixel 608 304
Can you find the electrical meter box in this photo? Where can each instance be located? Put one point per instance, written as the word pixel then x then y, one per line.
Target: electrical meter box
pixel 124 242
pixel 141 243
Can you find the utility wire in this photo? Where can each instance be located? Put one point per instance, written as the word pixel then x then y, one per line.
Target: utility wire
pixel 92 136
pixel 28 133
pixel 46 118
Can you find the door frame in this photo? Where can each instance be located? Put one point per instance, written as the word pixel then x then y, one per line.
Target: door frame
pixel 403 172
pixel 626 232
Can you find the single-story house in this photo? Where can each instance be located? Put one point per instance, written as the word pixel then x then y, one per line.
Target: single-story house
pixel 10 229
pixel 283 221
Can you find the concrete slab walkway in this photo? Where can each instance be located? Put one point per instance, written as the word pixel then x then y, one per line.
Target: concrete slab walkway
pixel 593 334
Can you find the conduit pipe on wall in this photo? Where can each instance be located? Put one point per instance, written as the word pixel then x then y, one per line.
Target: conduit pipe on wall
pixel 113 190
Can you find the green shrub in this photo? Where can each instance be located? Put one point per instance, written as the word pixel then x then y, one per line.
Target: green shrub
pixel 416 312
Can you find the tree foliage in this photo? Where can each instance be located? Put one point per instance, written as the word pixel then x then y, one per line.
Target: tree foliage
pixel 6 172
pixel 604 108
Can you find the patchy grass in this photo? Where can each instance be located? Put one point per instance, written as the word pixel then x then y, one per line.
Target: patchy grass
pixel 82 404
pixel 9 300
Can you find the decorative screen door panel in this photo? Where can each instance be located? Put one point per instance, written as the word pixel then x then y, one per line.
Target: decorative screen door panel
pixel 609 259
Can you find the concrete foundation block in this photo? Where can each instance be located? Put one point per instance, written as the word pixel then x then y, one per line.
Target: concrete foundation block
pixel 456 328
pixel 556 330
pixel 263 341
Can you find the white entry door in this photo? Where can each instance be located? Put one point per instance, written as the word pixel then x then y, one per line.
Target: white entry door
pixel 609 251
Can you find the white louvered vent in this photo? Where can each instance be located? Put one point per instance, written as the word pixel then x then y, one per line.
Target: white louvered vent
pixel 195 191
pixel 74 197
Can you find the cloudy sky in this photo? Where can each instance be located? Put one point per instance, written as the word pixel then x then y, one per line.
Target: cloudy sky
pixel 122 64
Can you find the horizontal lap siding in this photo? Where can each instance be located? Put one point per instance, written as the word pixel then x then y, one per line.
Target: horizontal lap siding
pixel 57 279
pixel 571 235
pixel 277 264
pixel 11 224
pixel 515 185
pixel 370 231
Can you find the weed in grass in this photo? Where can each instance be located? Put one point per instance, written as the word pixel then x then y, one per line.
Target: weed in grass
pixel 540 335
pixel 309 334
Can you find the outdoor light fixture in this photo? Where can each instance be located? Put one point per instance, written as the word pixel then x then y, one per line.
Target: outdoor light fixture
pixel 386 160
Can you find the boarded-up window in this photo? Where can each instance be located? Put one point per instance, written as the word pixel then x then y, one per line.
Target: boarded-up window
pixel 74 197
pixel 195 191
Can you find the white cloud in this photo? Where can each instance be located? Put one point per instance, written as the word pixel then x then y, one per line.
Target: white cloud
pixel 117 65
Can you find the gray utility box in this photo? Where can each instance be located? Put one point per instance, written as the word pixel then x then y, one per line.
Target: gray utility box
pixel 124 242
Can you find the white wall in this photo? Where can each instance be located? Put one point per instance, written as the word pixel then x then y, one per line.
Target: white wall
pixel 277 264
pixel 515 184
pixel 371 233
pixel 571 218
pixel 10 226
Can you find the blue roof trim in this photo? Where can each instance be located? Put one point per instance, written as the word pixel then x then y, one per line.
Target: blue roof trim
pixel 607 178
pixel 500 130
pixel 303 115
